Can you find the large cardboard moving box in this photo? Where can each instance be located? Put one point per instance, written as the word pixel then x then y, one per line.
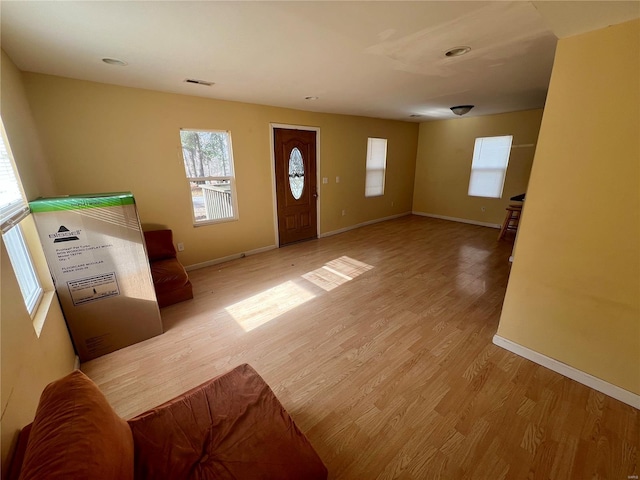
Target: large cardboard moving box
pixel 95 251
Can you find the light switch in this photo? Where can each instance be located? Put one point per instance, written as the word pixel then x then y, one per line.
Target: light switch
pixel 325 180
pixel 337 179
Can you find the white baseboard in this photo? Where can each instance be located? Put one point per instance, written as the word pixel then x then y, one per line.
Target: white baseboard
pixel 579 376
pixel 216 261
pixel 363 224
pixel 461 220
pixel 235 256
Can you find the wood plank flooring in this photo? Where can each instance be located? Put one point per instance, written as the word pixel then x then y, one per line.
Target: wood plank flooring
pixel 378 343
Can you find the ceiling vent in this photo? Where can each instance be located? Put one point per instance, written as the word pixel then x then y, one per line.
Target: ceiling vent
pixel 115 61
pixel 457 51
pixel 198 82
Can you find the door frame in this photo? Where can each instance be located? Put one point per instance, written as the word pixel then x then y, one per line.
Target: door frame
pixel 272 127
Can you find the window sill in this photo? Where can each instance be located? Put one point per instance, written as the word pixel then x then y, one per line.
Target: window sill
pixel 213 222
pixel 42 311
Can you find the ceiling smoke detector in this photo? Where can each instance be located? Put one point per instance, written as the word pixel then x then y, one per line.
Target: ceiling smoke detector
pixel 461 109
pixel 457 51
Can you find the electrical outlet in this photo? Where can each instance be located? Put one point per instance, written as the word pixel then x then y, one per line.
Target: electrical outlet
pixel 483 209
pixel 325 180
pixel 337 179
pixel 344 212
pixel 392 203
pixel 181 247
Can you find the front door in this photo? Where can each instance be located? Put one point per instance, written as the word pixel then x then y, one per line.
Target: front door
pixel 296 191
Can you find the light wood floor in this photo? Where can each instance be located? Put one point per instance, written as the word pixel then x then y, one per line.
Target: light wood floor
pixel 378 343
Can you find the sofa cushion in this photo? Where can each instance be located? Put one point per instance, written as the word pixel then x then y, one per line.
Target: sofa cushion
pixel 159 244
pixel 231 427
pixel 168 275
pixel 76 434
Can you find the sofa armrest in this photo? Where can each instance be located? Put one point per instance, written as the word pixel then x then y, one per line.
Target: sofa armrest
pixel 18 454
pixel 77 435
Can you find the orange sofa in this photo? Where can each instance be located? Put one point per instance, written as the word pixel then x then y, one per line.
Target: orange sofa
pixel 170 279
pixel 231 427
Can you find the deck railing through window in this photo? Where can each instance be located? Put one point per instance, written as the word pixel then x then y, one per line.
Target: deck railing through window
pixel 217 202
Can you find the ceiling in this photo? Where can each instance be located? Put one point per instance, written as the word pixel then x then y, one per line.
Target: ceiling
pixel 370 58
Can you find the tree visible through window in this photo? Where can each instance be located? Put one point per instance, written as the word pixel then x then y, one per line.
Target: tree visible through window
pixel 208 164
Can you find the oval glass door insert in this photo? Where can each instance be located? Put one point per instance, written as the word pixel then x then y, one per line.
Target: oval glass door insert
pixel 296 173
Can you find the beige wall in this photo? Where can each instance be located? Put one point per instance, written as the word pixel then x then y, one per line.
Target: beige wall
pixel 574 290
pixel 103 138
pixel 28 362
pixel 443 164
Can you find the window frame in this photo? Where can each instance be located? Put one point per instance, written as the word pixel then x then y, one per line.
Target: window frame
pixel 479 166
pixel 24 268
pixel 12 214
pixel 373 168
pixel 222 178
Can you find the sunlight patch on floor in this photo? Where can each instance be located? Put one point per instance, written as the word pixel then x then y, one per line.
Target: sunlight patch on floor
pixel 336 272
pixel 265 306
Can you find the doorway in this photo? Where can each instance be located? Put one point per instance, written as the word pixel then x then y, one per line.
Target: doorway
pixel 296 184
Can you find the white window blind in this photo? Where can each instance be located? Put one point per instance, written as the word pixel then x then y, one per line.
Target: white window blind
pixel 376 167
pixel 489 166
pixel 13 207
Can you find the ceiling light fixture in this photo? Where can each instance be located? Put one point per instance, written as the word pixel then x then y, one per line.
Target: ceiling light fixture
pixel 457 51
pixel 461 109
pixel 311 98
pixel 415 115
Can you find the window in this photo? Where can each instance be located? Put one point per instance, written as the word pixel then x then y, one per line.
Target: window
pixel 376 167
pixel 208 164
pixel 13 208
pixel 489 166
pixel 23 267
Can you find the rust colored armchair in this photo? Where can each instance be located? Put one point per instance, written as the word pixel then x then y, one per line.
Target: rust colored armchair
pixel 170 279
pixel 231 428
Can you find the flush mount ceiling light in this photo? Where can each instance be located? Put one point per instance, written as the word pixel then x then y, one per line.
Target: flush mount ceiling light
pixel 457 51
pixel 461 109
pixel 312 97
pixel 115 61
pixel 198 82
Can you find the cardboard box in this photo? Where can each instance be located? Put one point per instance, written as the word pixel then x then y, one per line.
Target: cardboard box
pixel 95 250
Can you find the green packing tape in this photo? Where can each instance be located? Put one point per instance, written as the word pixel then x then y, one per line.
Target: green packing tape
pixel 77 202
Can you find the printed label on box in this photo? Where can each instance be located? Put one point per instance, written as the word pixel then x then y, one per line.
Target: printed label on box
pixel 93 288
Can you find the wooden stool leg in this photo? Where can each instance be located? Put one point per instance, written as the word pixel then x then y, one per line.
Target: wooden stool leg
pixel 511 220
pixel 505 224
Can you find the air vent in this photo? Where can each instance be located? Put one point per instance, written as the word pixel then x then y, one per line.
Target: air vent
pixel 199 82
pixel 115 61
pixel 457 51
